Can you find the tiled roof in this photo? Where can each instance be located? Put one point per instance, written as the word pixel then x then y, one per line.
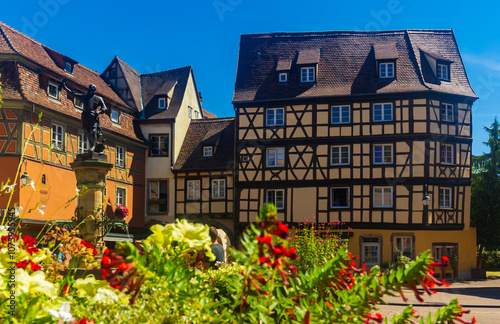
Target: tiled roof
pixel 133 80
pixel 202 132
pixel 347 64
pixel 308 56
pixel 162 83
pixel 385 51
pixel 207 114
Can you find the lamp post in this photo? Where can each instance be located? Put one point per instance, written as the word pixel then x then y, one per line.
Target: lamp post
pixel 425 201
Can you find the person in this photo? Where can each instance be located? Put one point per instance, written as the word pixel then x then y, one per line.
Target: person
pixel 217 250
pixel 90 115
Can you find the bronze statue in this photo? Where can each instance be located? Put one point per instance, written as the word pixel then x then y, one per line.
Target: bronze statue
pixel 90 116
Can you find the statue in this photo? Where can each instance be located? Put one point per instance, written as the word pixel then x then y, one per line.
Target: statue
pixel 90 116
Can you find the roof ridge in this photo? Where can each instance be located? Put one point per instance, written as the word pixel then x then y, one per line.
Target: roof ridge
pixel 118 58
pixel 345 32
pixel 206 120
pixel 184 67
pixel 7 37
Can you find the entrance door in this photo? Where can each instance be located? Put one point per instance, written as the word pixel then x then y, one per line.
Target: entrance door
pixel 370 251
pixel 449 250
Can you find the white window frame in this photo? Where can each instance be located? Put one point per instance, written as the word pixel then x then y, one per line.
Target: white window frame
pixel 384 116
pixel 405 241
pixel 159 201
pixel 78 103
pixel 196 114
pixel 272 117
pixel 58 137
pixel 384 70
pixel 121 194
pixel 208 151
pixel 443 72
pixel 273 157
pixel 83 143
pixel 342 154
pixel 162 103
pixel 447 112
pixel 445 198
pixel 56 89
pixel 342 113
pixel 283 77
pixel 120 156
pixel 160 141
pixel 447 152
pixel 384 191
pixel 332 197
pixel 193 189
pixel 68 67
pixel 114 116
pixel 378 247
pixel 275 193
pixel 190 112
pixel 308 76
pixel 384 156
pixel 218 188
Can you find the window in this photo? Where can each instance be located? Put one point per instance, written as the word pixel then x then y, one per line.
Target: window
pixel 382 197
pixel 83 143
pixel 218 188
pixel 120 196
pixel 196 114
pixel 120 156
pixel 276 197
pixel 78 103
pixel 339 198
pixel 283 77
pixel 161 103
pixel 57 137
pixel 68 67
pixel 445 198
pixel 159 145
pixel 274 117
pixel 115 116
pixel 190 112
pixel 275 157
pixel 208 150
pixel 157 196
pixel 193 189
pixel 446 153
pixel 53 90
pixel 386 70
pixel 382 154
pixel 446 112
pixel 402 244
pixel 443 72
pixel 370 251
pixel 382 112
pixel 341 114
pixel 307 74
pixel 340 155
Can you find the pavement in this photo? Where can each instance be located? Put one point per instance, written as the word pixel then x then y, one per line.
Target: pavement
pixel 481 297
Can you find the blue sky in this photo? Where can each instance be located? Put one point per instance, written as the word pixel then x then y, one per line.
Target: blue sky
pixel 157 35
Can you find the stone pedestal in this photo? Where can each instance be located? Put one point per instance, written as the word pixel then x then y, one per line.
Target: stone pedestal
pixel 91 173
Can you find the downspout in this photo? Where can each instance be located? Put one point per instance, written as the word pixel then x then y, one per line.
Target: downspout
pixel 172 146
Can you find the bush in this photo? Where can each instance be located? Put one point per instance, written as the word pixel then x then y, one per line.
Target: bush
pixel 402 261
pixel 491 260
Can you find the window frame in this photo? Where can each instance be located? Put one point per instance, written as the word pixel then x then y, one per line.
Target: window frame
pixel 71 67
pixel 190 112
pixel 57 92
pixel 80 107
pixel 196 190
pixel 443 154
pixel 273 122
pixel 383 196
pixel 196 114
pixel 207 149
pixel 113 120
pixel 164 106
pixel 274 202
pixel 383 146
pixel 276 155
pixel 341 116
pixel 332 198
pixel 384 118
pixel 83 142
pixel 60 141
pixel 445 196
pixel 339 147
pixel 281 74
pixel 160 201
pixel 159 136
pixel 120 162
pixel 404 237
pixel 386 65
pixel 123 198
pixel 218 194
pixel 448 111
pixel 308 80
pixel 439 71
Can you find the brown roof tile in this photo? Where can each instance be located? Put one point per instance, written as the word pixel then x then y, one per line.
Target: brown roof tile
pixel 134 82
pixel 385 51
pixel 308 56
pixel 207 114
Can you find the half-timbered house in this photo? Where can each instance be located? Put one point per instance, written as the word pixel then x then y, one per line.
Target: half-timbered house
pixel 371 129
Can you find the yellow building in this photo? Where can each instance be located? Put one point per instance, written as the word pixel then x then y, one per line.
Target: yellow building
pixel 359 127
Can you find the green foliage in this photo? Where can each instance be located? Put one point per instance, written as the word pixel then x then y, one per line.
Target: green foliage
pixel 402 261
pixel 491 260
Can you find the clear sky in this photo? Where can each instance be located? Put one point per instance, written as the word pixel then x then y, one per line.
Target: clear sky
pixel 156 35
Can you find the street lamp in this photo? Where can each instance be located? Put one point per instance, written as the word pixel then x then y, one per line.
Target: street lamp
pixel 426 199
pixel 25 179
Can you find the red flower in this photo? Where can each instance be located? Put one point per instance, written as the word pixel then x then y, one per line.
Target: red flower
pixel 22 264
pixel 89 245
pixel 265 239
pixel 29 241
pixel 83 321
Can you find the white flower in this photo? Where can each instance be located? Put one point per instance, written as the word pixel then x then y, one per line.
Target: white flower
pixel 32 183
pixel 77 191
pixel 63 313
pixel 17 211
pixel 41 209
pixel 10 188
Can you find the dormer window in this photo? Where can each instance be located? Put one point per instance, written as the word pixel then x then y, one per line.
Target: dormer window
pixel 52 90
pixel 115 116
pixel 386 70
pixel 283 77
pixel 162 103
pixel 208 151
pixel 68 67
pixel 443 72
pixel 308 74
pixel 78 103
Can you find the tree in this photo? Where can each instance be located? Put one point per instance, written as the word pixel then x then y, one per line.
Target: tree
pixel 485 200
